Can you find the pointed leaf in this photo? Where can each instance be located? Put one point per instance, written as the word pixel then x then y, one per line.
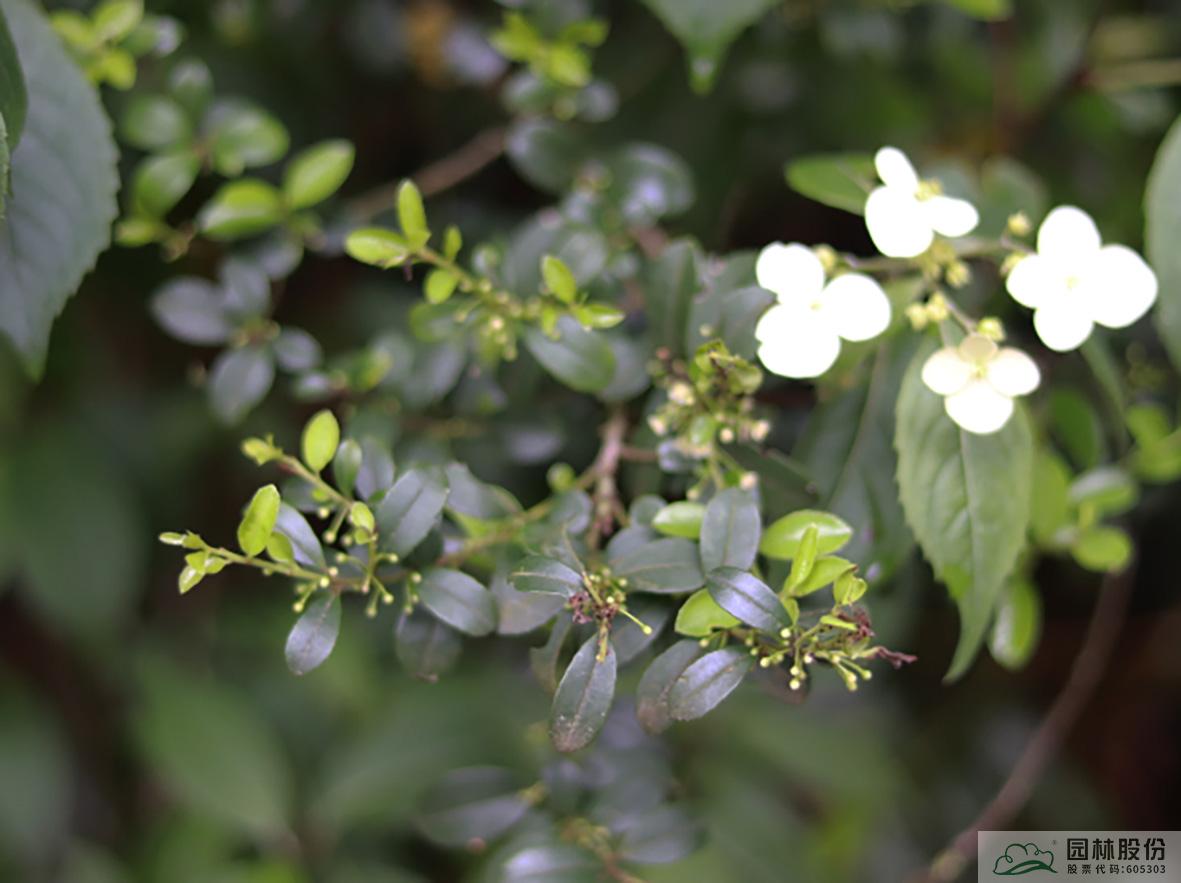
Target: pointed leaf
pixel 745 596
pixel 730 530
pixel 583 698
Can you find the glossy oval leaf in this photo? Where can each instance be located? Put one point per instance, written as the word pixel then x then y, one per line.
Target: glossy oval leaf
pixel 840 180
pixel 458 600
pixel 745 596
pixel 1018 625
pixel 706 682
pixel 652 693
pixel 666 566
pixel 314 634
pixel 547 575
pixel 581 359
pixel 409 510
pixel 425 646
pixel 259 520
pixel 472 805
pixel 731 530
pixel 583 698
pixel 782 538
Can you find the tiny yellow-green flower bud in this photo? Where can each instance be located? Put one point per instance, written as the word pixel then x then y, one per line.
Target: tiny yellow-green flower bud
pixel 827 257
pixel 991 327
pixel 916 314
pixel 937 310
pixel 1018 224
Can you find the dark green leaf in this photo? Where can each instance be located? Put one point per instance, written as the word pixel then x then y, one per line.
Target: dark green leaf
pixel 539 574
pixel 471 805
pixel 707 681
pixel 546 153
pixel 671 282
pixel 296 350
pixel 966 498
pixel 745 596
pixel 549 863
pixel 841 180
pixel 648 183
pixel 729 315
pixel 192 310
pixel 543 660
pixel 476 499
pixel 663 835
pixel 63 168
pixel 1162 221
pixel 583 698
pixel 239 380
pixel 667 566
pixel 581 359
pixel 426 647
pixel 377 468
pixel 314 634
pixel 14 98
pixel 304 544
pixel 347 465
pixel 731 530
pixel 522 612
pixel 629 639
pixel 706 29
pixel 458 600
pixel 409 510
pixel 652 694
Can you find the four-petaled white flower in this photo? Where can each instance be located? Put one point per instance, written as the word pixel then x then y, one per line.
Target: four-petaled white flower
pixel 904 214
pixel 978 380
pixel 1073 282
pixel 800 336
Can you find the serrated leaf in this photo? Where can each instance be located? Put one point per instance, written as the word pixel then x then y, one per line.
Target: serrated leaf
pixel 583 698
pixel 730 531
pixel 63 168
pixel 458 600
pixel 314 634
pixel 966 498
pixel 745 596
pixel 707 681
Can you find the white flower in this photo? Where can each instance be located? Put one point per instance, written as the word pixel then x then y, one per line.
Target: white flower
pixel 904 214
pixel 978 380
pixel 801 335
pixel 1074 283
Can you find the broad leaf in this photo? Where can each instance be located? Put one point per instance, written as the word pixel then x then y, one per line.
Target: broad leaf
pixel 730 531
pixel 581 359
pixel 458 600
pixel 966 497
pixel 546 575
pixel 657 683
pixel 584 697
pixel 14 98
pixel 314 634
pixel 708 681
pixel 58 217
pixel 745 596
pixel 409 510
pixel 239 380
pixel 667 566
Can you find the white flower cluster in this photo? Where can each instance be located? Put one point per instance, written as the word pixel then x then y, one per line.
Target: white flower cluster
pixel 1072 282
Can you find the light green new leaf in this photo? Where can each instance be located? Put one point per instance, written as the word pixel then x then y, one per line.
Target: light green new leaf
pixel 316 173
pixel 241 208
pixel 259 520
pixel 64 167
pixel 680 519
pixel 412 214
pixel 966 497
pixel 840 180
pixel 1163 219
pixel 1018 625
pixel 321 437
pixel 783 537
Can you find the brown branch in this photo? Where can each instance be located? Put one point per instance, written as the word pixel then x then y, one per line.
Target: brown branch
pixel 604 469
pixel 443 174
pixel 1086 671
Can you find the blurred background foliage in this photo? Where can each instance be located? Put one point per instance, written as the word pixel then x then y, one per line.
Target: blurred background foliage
pixel 153 738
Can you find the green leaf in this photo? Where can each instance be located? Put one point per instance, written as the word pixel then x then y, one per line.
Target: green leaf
pixel 458 600
pixel 667 566
pixel 1102 549
pixel 596 315
pixel 239 380
pixel 543 660
pixel 412 214
pixel 988 10
pixel 782 538
pixel 578 358
pixel 730 531
pixel 63 168
pixel 116 19
pixel 584 697
pixel 409 510
pixel 213 752
pixel 848 449
pixel 296 350
pixel 707 681
pixel 475 804
pixel 966 498
pixel 377 246
pixel 316 173
pixel 155 122
pixel 745 596
pixel 259 520
pixel 304 543
pixel 241 208
pixel 823 572
pixel 440 285
pixel 547 154
pixel 681 519
pixel 1162 221
pixel 547 575
pixel 672 280
pixel 700 615
pixel 662 835
pixel 161 181
pixel 706 28
pixel 729 315
pixel 426 647
pixel 840 180
pixel 14 97
pixel 652 693
pixel 648 183
pixel 558 279
pixel 38 794
pixel 347 465
pixel 314 634
pixel 1050 497
pixel 1107 491
pixel 245 137
pixel 1018 625
pixel 321 438
pixel 192 310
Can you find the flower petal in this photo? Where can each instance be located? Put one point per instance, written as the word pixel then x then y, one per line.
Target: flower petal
pixel 945 372
pixel 856 306
pixel 1062 323
pixel 897 223
pixel 895 169
pixel 1118 287
pixel 1035 279
pixel 1013 373
pixel 1067 234
pixel 950 216
pixel 979 408
pixel 797 343
pixel 792 272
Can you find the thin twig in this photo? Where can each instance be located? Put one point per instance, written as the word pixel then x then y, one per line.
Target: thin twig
pixel 606 465
pixel 1087 670
pixel 443 174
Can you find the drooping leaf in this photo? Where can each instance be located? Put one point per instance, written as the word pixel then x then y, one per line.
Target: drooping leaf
pixel 730 531
pixel 458 600
pixel 425 646
pixel 584 697
pixel 707 681
pixel 652 694
pixel 314 634
pixel 63 182
pixel 966 497
pixel 470 805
